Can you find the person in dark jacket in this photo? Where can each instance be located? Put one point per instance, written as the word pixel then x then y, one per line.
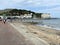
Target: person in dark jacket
pixel 4 21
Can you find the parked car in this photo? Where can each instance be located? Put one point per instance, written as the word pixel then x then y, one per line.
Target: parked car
pixel 8 17
pixel 15 18
pixel 0 19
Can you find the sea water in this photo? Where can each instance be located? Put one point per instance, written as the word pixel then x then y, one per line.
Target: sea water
pixel 50 23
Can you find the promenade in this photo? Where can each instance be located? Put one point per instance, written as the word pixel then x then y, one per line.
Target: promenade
pixel 10 36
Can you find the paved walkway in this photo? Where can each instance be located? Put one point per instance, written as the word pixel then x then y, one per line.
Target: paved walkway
pixel 10 36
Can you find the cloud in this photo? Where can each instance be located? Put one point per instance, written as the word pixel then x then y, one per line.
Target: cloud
pixel 42 2
pixel 29 3
pixel 52 6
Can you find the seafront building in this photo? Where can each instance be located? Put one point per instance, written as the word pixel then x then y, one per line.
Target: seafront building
pixel 42 16
pixel 26 16
pixel 45 15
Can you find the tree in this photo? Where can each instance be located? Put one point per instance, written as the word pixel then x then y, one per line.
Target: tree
pixel 13 12
pixel 38 15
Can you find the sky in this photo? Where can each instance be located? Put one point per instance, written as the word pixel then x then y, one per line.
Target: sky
pixel 41 6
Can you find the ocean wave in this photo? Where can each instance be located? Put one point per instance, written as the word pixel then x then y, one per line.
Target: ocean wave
pixel 49 26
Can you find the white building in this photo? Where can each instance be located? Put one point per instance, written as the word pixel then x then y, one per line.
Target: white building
pixel 45 15
pixel 26 16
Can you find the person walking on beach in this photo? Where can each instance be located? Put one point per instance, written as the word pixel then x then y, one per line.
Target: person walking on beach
pixel 4 18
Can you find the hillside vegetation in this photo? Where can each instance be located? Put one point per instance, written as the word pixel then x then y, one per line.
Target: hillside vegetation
pixel 18 12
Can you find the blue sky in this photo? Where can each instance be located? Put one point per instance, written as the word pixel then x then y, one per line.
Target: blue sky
pixel 43 6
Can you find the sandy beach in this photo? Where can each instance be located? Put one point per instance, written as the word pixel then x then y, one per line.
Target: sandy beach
pixel 38 35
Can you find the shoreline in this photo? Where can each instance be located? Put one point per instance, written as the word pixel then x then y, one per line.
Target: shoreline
pixel 45 26
pixel 49 27
pixel 39 22
pixel 52 36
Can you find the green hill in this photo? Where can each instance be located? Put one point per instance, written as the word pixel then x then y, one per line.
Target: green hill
pixel 18 12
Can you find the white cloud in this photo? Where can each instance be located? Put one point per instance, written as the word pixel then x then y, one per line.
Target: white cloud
pixel 34 3
pixel 42 2
pixel 17 1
